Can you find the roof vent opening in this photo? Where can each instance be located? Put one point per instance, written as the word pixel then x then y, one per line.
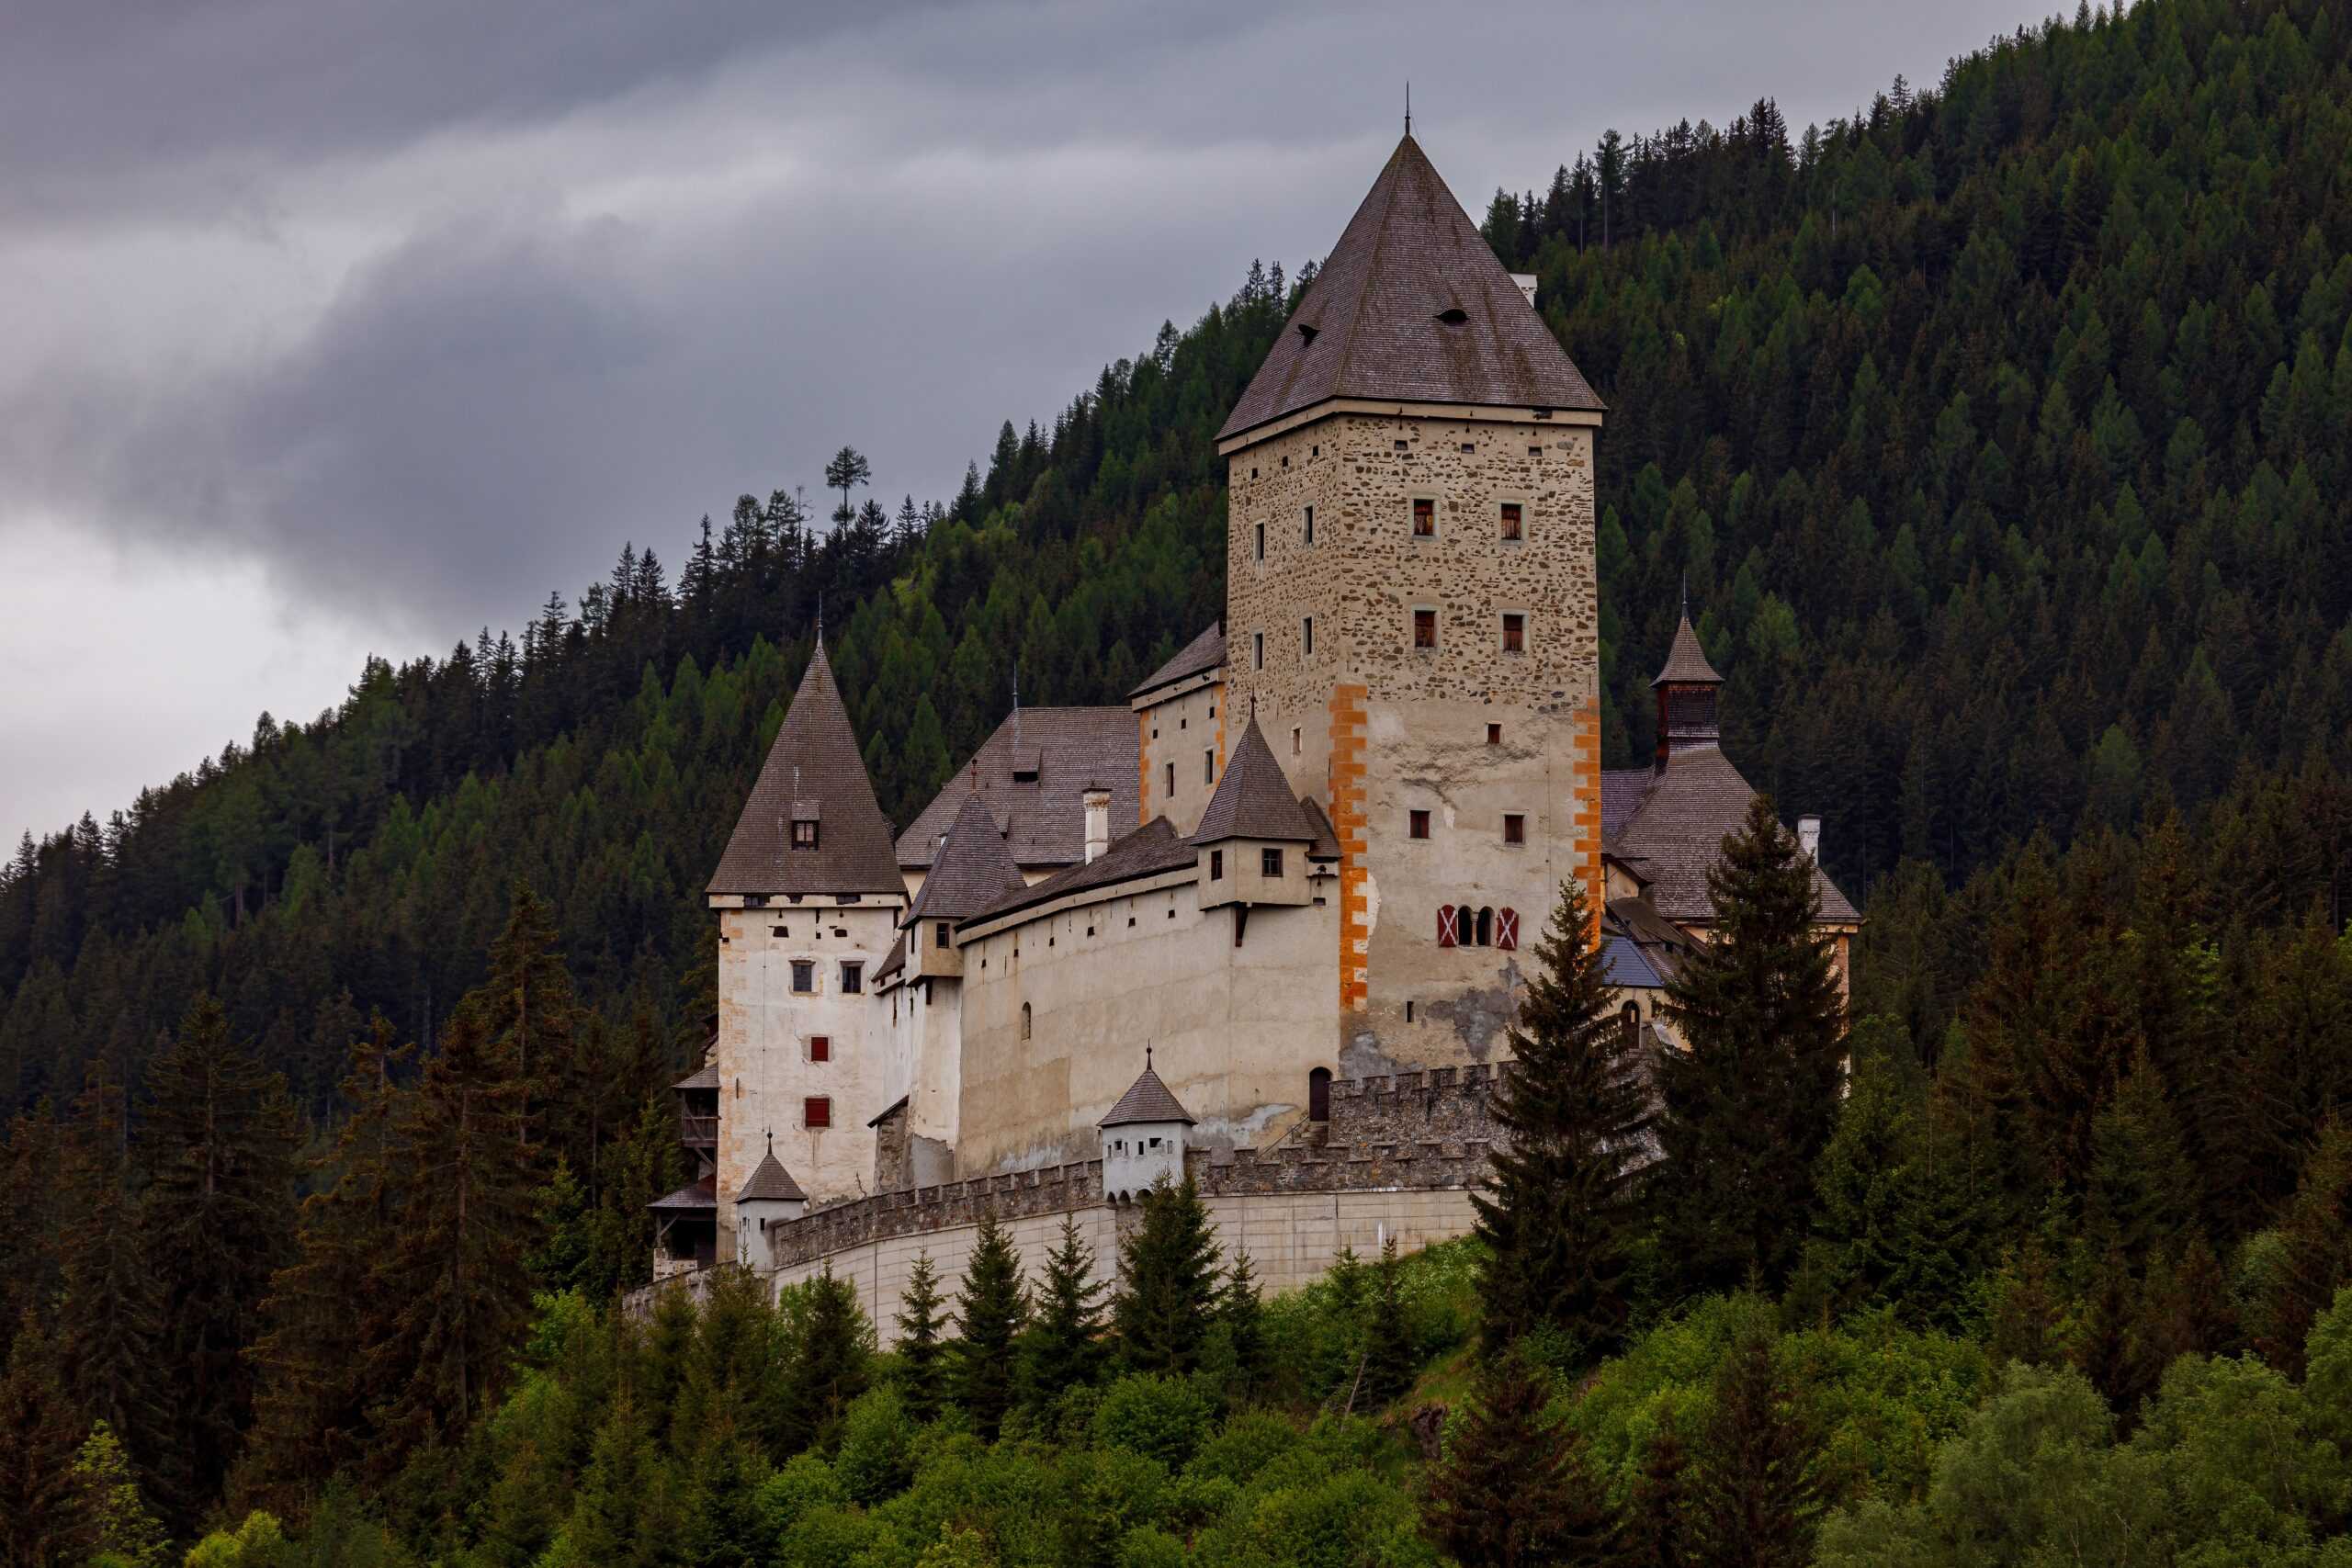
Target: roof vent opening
pixel 1306 331
pixel 1454 316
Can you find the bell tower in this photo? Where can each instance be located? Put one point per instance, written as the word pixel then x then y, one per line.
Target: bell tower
pixel 1412 613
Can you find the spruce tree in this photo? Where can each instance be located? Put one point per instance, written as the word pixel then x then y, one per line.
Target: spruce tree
pixel 1388 1360
pixel 1655 1527
pixel 1514 1488
pixel 217 1222
pixel 1243 1312
pixel 1065 1348
pixel 1756 1500
pixel 48 1513
pixel 1561 1211
pixel 922 1369
pixel 527 1004
pixel 1169 1281
pixel 831 1364
pixel 128 1535
pixel 1749 1107
pixel 109 1318
pixel 990 1312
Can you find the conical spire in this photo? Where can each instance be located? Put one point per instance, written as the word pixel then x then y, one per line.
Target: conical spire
pixel 1411 306
pixel 770 1182
pixel 1147 1100
pixel 1254 799
pixel 814 775
pixel 975 868
pixel 1685 662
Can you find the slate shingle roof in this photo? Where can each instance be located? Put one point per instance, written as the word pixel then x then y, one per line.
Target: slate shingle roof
pixel 893 961
pixel 1685 662
pixel 1149 850
pixel 1675 831
pixel 973 869
pixel 1253 800
pixel 814 765
pixel 770 1182
pixel 1625 965
pixel 1043 819
pixel 693 1198
pixel 1326 841
pixel 1147 1100
pixel 1204 653
pixel 1368 326
pixel 706 1077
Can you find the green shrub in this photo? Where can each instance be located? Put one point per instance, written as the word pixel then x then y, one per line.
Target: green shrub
pixel 1164 1418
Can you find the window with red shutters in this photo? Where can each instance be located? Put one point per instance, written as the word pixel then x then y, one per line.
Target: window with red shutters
pixel 1507 930
pixel 820 1047
pixel 816 1111
pixel 1445 925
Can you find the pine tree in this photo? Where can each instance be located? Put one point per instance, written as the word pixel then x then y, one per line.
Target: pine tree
pixel 1168 1281
pixel 1243 1311
pixel 217 1222
pixel 459 1266
pixel 1560 1212
pixel 128 1535
pixel 830 1366
pixel 1065 1348
pixel 1756 1499
pixel 528 1006
pixel 109 1319
pixel 922 1369
pixel 48 1514
pixel 1514 1488
pixel 1388 1359
pixel 1749 1107
pixel 1657 1523
pixel 991 1311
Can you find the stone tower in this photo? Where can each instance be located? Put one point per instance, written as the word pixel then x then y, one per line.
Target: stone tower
pixel 808 895
pixel 1412 613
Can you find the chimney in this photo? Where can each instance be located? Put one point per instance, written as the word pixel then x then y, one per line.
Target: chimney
pixel 1098 821
pixel 1526 281
pixel 1809 837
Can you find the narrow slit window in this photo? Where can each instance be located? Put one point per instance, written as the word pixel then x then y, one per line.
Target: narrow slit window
pixel 1307 636
pixel 1307 535
pixel 1208 766
pixel 1216 865
pixel 1261 541
pixel 1257 651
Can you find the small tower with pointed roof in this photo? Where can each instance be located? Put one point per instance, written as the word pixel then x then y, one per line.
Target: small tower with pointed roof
pixel 768 1195
pixel 1143 1137
pixel 1253 837
pixel 809 896
pixel 1412 612
pixel 1686 686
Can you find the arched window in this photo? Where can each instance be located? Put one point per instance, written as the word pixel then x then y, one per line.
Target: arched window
pixel 1024 1020
pixel 1486 928
pixel 1630 1020
pixel 1318 1094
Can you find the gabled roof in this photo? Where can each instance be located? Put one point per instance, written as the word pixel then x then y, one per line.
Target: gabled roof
pixel 1044 817
pixel 1149 850
pixel 1370 326
pixel 771 1183
pixel 1253 800
pixel 813 769
pixel 1198 657
pixel 973 869
pixel 1685 662
pixel 1675 833
pixel 1147 1100
pixel 1625 966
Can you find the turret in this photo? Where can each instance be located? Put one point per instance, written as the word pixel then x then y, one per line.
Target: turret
pixel 1143 1138
pixel 1687 688
pixel 768 1196
pixel 1253 838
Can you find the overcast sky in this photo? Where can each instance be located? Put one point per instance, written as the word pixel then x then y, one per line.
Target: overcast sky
pixel 331 327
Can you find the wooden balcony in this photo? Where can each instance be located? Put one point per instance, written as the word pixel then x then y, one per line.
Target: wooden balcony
pixel 698 1132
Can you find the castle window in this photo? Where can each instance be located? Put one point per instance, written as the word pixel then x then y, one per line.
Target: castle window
pixel 1416 823
pixel 1208 766
pixel 804 976
pixel 780 930
pixel 853 979
pixel 1261 541
pixel 1511 520
pixel 816 1111
pixel 1486 928
pixel 1514 827
pixel 1469 445
pixel 1257 651
pixel 1408 1012
pixel 1629 1021
pixel 804 833
pixel 1400 446
pixel 1424 517
pixel 1318 1094
pixel 1024 1020
pixel 1269 862
pixel 939 935
pixel 1494 735
pixel 1296 740
pixel 1307 636
pixel 755 900
pixel 1535 451
pixel 1307 535
pixel 1171 781
pixel 1514 632
pixel 1425 628
pixel 820 1047
pixel 1216 865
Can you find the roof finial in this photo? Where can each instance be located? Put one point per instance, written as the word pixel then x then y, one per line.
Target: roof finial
pixel 1686 593
pixel 1016 713
pixel 1408 105
pixel 1147 1055
pixel 821 617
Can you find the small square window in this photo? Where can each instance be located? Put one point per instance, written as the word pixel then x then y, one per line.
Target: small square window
pixel 1514 827
pixel 781 930
pixel 1216 865
pixel 1494 735
pixel 1269 862
pixel 1514 633
pixel 820 1047
pixel 853 979
pixel 1400 446
pixel 1469 445
pixel 1425 628
pixel 804 833
pixel 1261 541
pixel 1208 766
pixel 1424 518
pixel 1307 636
pixel 816 1111
pixel 804 976
pixel 1416 823
pixel 1307 533
pixel 1511 520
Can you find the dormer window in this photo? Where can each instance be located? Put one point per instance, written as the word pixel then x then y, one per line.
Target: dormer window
pixel 804 832
pixel 1454 316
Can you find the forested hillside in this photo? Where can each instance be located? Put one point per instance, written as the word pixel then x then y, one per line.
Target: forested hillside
pixel 2000 435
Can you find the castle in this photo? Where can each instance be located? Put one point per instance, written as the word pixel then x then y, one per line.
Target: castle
pixel 1290 880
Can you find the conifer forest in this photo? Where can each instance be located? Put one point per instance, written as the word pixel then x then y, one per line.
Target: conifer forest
pixel 2001 435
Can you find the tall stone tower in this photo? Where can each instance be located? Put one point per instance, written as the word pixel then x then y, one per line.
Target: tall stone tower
pixel 808 895
pixel 1413 612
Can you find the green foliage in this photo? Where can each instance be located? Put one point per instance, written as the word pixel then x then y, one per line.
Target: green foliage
pixel 990 1312
pixel 1514 1487
pixel 1160 1417
pixel 1063 1350
pixel 1168 1281
pixel 922 1364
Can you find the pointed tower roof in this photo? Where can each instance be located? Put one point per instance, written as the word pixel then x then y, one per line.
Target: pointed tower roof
pixel 814 773
pixel 1147 1100
pixel 771 1182
pixel 1411 306
pixel 1253 800
pixel 975 868
pixel 1685 662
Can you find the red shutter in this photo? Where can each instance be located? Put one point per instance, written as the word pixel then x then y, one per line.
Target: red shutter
pixel 1445 925
pixel 1507 930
